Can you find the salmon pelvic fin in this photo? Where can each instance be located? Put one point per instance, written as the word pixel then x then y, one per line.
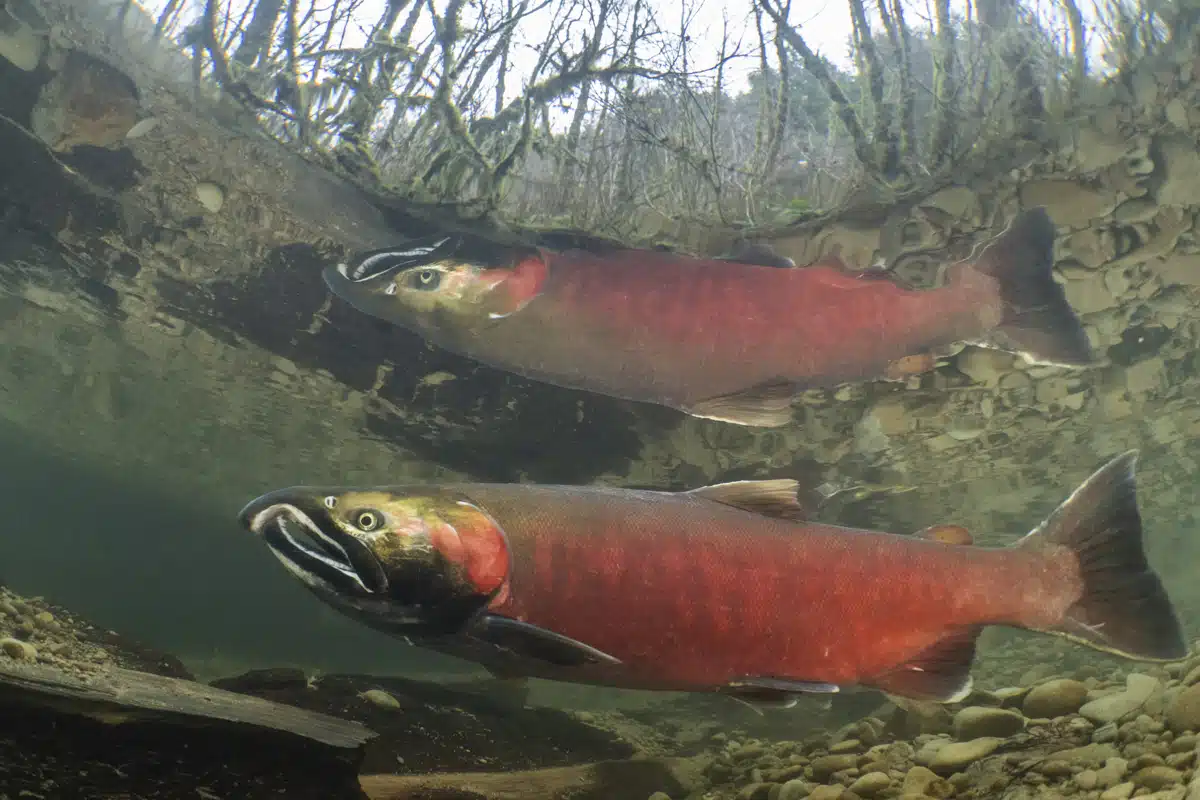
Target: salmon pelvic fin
pixel 1123 608
pixel 1036 322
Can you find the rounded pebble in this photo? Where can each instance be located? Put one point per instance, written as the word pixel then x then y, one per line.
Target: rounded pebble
pixel 210 196
pixel 1158 777
pixel 1183 712
pixel 982 721
pixel 18 650
pixel 871 784
pixel 1056 698
pixel 959 755
pixel 794 790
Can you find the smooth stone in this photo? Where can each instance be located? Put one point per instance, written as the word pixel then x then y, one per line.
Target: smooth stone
pixel 1182 744
pixel 1056 698
pixel 871 784
pixel 755 791
pixel 977 722
pixel 794 790
pixel 929 750
pixel 18 650
pixel 825 766
pixel 924 781
pixel 957 755
pixel 1089 755
pixel 827 793
pixel 1183 712
pixel 1122 791
pixel 1174 793
pixel 1055 769
pixel 1110 708
pixel 1112 773
pixel 1155 778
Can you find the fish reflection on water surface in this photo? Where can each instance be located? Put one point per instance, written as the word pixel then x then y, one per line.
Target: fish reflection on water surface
pixel 735 342
pixel 726 588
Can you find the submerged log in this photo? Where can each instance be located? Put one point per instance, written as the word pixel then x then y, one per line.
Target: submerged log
pixel 117 732
pixel 598 781
pixel 125 694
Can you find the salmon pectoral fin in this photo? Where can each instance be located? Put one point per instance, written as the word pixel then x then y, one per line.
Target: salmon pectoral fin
pixel 1123 607
pixel 940 674
pixel 774 692
pixel 773 498
pixel 1037 321
pixel 767 405
pixel 535 643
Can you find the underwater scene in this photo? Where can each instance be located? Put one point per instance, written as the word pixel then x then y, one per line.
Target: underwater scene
pixel 590 399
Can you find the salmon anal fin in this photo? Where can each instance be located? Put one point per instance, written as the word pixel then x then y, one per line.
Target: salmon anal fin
pixel 767 405
pixel 773 498
pixel 539 644
pixel 906 367
pixel 941 674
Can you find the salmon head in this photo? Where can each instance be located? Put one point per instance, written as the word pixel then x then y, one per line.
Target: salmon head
pixel 411 560
pixel 443 284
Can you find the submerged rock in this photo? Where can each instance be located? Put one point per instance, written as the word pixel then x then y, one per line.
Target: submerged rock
pixel 980 721
pixel 959 755
pixel 1138 690
pixel 1183 713
pixel 1055 698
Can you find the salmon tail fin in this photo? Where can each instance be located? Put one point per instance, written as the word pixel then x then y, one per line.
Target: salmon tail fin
pixel 1037 322
pixel 1123 608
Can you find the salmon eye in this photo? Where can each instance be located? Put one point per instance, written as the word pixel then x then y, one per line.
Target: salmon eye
pixel 425 279
pixel 367 520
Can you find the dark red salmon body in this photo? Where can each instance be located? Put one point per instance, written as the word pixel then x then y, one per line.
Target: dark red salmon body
pixel 681 331
pixel 717 339
pixel 688 596
pixel 723 588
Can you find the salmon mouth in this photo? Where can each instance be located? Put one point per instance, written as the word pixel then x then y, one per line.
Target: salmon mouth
pixel 380 263
pixel 323 559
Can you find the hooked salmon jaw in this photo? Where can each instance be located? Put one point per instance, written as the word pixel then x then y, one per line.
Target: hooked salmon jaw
pixel 313 555
pixel 384 262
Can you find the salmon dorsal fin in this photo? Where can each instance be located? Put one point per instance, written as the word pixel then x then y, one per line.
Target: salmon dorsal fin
pixel 773 498
pixel 940 674
pixel 767 405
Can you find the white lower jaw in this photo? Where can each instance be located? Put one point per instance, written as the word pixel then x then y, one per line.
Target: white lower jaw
pixel 280 516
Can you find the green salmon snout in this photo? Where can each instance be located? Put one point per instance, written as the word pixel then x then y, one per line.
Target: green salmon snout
pixel 404 560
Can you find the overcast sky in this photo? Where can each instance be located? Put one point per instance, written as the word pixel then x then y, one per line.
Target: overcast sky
pixel 824 24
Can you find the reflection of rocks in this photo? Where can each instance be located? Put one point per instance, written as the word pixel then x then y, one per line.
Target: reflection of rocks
pixel 86 103
pixel 22 34
pixel 1073 205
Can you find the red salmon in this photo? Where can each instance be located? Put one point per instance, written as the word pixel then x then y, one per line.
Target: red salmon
pixel 716 339
pixel 725 588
